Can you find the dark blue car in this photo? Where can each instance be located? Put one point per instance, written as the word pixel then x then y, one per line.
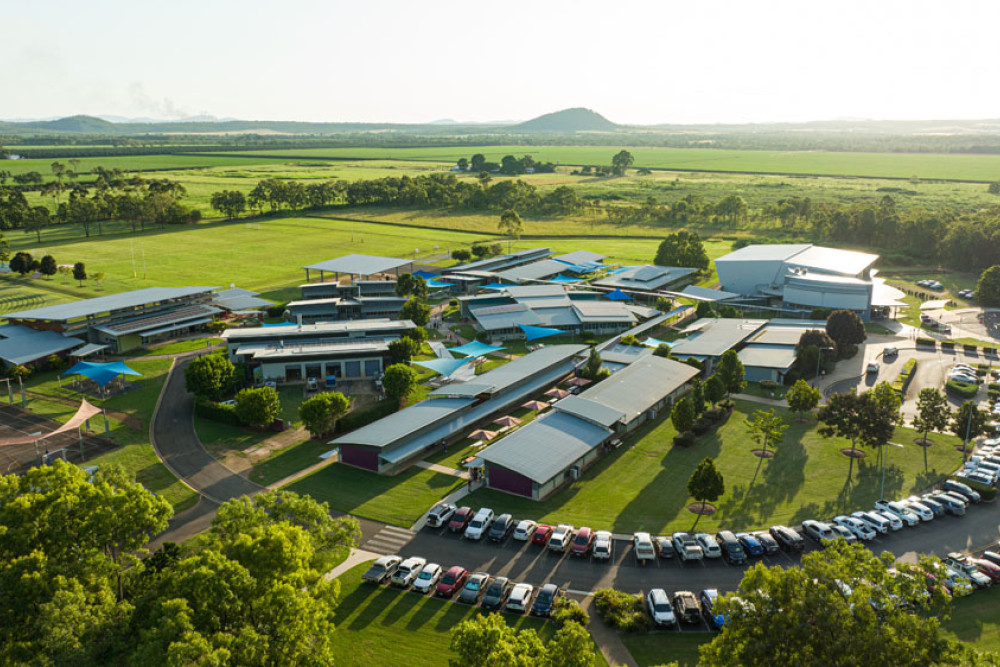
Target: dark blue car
pixel 708 598
pixel 751 544
pixel 545 601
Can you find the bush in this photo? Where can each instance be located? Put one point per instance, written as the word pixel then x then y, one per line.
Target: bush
pixel 566 609
pixel 685 439
pixel 367 416
pixel 277 310
pixel 702 426
pixel 453 303
pixel 926 341
pixel 258 406
pixel 987 491
pixel 768 384
pixel 225 414
pixel 621 610
pixel 727 404
pixel 962 389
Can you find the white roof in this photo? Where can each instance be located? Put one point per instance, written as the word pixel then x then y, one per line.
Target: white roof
pixel 768 356
pixel 707 294
pixel 580 256
pixel 714 336
pixel 364 265
pixel 101 304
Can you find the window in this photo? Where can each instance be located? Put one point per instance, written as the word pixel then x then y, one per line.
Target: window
pixel 293 373
pixel 312 370
pixel 333 369
pixel 373 367
pixel 352 369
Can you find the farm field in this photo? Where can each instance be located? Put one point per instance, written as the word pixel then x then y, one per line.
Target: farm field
pixel 133 163
pixel 643 485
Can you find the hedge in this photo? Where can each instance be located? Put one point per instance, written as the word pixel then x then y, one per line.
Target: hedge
pixel 902 382
pixel 963 389
pixel 926 341
pixel 685 439
pixel 987 491
pixel 364 417
pixel 622 610
pixel 225 414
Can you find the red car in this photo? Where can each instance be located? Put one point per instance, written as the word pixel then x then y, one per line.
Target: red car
pixel 991 570
pixel 542 535
pixel 460 519
pixel 452 580
pixel 582 543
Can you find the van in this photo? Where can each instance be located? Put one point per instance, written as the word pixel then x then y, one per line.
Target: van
pixel 950 503
pixel 732 550
pixel 479 524
pixel 876 521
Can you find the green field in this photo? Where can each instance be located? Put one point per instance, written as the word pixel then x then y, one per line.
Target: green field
pixel 25 294
pixel 644 486
pixel 133 163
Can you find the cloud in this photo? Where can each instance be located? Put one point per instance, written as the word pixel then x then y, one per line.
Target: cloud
pixel 162 108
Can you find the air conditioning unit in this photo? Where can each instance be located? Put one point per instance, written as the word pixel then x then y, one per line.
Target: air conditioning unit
pixel 574 472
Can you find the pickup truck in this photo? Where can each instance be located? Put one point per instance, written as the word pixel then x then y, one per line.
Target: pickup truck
pixel 645 552
pixel 687 547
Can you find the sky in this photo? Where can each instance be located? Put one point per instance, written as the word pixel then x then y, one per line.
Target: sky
pixel 418 61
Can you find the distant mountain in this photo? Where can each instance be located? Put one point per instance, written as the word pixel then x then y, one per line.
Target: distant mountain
pixel 74 124
pixel 567 120
pixel 146 119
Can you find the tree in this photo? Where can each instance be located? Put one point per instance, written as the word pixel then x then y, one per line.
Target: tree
pixel 802 398
pixel 682 249
pixel 988 287
pixel 35 220
pixel 461 254
pixel 847 331
pixel 766 428
pixel 844 416
pixel 715 389
pixel 881 404
pixel 98 279
pixel 403 349
pixel 399 380
pixel 682 416
pixel 621 162
pixel 697 396
pixel 258 406
pixel 320 413
pixel 730 371
pixel 594 369
pixel 511 225
pixel 969 421
pixel 48 267
pixel 408 285
pixel 4 249
pixel 210 375
pixel 487 641
pixel 463 164
pixel 814 345
pixel 80 272
pixel 416 312
pixel 842 606
pixel 571 646
pixel 933 413
pixel 21 263
pixel 230 203
pixel 477 162
pixel 705 485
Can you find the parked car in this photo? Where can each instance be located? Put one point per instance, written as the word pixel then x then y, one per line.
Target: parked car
pixel 428 578
pixel 992 556
pixel 987 567
pixel 953 503
pixel 962 564
pixel 519 597
pixel 859 528
pixel 876 522
pixel 872 367
pixel 440 514
pixel 686 607
pixel 407 571
pixel 934 506
pixel 840 531
pixel 788 538
pixel 541 535
pixel 767 541
pixel 524 530
pixel 664 547
pixel 660 609
pixel 708 545
pixel 732 551
pixel 603 545
pixel 818 530
pixel 561 538
pixel 479 524
pixel 460 519
pixel 642 545
pixel 452 580
pixel 545 600
pixel 474 587
pixel 582 543
pixel 496 594
pixel 381 569
pixel 751 545
pixel 895 523
pixel 905 514
pixel 889 351
pixel 687 547
pixel 501 528
pixel 708 599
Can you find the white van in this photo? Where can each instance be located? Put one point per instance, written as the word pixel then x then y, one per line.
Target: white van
pixel 479 524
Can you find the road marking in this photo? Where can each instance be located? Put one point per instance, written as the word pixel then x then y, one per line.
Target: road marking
pixel 573 591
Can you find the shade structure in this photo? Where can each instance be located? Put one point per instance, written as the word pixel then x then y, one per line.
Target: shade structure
pixel 577 382
pixel 426 275
pixel 482 434
pixel 656 342
pixel 556 392
pixel 535 405
pixel 564 279
pixel 617 295
pixel 276 324
pixel 532 332
pixel 475 349
pixel 438 283
pixel 496 286
pixel 443 366
pixel 620 269
pixel 102 374
pixel 507 420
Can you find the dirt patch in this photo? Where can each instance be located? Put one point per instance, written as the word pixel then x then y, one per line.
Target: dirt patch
pixel 762 453
pixel 920 442
pixel 961 448
pixel 856 453
pixel 704 509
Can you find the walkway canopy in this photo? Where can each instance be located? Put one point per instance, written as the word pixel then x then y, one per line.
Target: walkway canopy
pixel 617 295
pixel 437 283
pixel 427 275
pixel 475 349
pixel 564 279
pixel 443 366
pixel 102 374
pixel 656 342
pixel 532 332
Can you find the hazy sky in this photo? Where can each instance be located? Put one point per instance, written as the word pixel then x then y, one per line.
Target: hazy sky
pixel 418 61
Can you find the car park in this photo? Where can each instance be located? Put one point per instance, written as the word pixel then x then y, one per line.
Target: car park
pixel 519 597
pixel 524 530
pixel 818 530
pixel 541 535
pixel 381 569
pixel 686 607
pixel 501 528
pixel 751 544
pixel 664 547
pixel 479 524
pixel 876 522
pixel 474 586
pixel 963 489
pixel 687 547
pixel 732 551
pixel 545 600
pixel 496 594
pixel 709 545
pixel 460 519
pixel 407 571
pixel 642 546
pixel 660 609
pixel 582 543
pixel 708 599
pixel 561 538
pixel 788 538
pixel 603 548
pixel 428 578
pixel 846 534
pixel 440 514
pixel 767 541
pixel 451 581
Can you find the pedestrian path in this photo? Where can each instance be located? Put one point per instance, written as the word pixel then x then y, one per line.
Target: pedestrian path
pixel 437 467
pixel 389 540
pixel 454 497
pixel 440 350
pixel 356 556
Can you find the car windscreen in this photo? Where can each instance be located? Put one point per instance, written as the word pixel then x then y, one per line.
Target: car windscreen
pixel 426 575
pixel 581 540
pixel 660 607
pixel 449 579
pixel 476 523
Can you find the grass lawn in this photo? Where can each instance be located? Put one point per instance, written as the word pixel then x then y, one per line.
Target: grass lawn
pixel 643 485
pixel 659 648
pixel 179 347
pixel 377 625
pixel 755 389
pixel 398 500
pixel 23 294
pixel 288 461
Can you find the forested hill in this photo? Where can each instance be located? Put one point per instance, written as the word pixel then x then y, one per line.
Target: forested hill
pixel 567 120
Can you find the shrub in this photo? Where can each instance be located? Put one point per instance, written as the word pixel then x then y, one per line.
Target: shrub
pixel 926 341
pixel 702 426
pixel 225 414
pixel 453 303
pixel 367 416
pixel 962 389
pixel 685 439
pixel 768 384
pixel 566 609
pixel 258 406
pixel 727 404
pixel 716 414
pixel 987 491
pixel 277 310
pixel 947 345
pixel 622 610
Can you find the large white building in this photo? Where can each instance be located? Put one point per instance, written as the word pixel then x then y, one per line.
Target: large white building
pixel 807 276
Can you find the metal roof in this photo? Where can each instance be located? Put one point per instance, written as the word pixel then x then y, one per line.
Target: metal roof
pixel 603 311
pixel 21 345
pixel 714 336
pixel 270 352
pixel 768 356
pixel 352 326
pixel 624 354
pixel 239 299
pixel 640 385
pixel 545 447
pixel 765 252
pixel 780 335
pixel 645 277
pixel 501 261
pixel 534 271
pixel 580 256
pixel 162 321
pixel 398 425
pixel 833 260
pixel 707 294
pixel 534 291
pixel 589 410
pixel 103 304
pixel 502 377
pixel 363 265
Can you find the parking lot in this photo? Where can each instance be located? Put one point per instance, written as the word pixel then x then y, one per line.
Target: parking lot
pixel 18 458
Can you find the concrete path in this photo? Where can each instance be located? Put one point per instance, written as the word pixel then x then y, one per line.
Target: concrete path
pixel 354 558
pixel 607 638
pixel 440 350
pixel 776 402
pixel 445 470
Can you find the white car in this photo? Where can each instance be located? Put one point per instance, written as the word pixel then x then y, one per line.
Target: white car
pixel 845 533
pixel 524 530
pixel 428 578
pixel 905 514
pixel 561 537
pixel 642 544
pixel 408 571
pixel 479 524
pixel 872 367
pixel 660 608
pixel 687 547
pixel 895 523
pixel 818 530
pixel 709 545
pixel 923 511
pixel 876 522
pixel 440 514
pixel 519 597
pixel 860 529
pixel 603 548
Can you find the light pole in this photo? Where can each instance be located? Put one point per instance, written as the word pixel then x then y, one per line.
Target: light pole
pixel 968 429
pixel 819 357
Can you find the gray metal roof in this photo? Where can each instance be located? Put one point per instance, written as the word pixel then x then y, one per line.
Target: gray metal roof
pixel 364 265
pixel 589 410
pixel 580 256
pixel 833 260
pixel 768 356
pixel 624 354
pixel 707 294
pixel 640 385
pixel 352 326
pixel 21 345
pixel 534 271
pixel 711 337
pixel 546 447
pixel 234 299
pixel 398 425
pixel 273 352
pixel 645 277
pixel 765 252
pixel 162 321
pixel 102 304
pixel 780 335
pixel 502 377
pixel 534 291
pixel 492 318
pixel 501 261
pixel 603 311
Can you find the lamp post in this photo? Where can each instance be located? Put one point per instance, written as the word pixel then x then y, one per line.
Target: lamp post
pixel 819 357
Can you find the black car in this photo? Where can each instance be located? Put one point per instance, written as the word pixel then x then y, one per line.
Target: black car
pixel 474 587
pixel 665 547
pixel 546 600
pixel 501 528
pixel 686 607
pixel 732 550
pixel 788 538
pixel 496 594
pixel 767 541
